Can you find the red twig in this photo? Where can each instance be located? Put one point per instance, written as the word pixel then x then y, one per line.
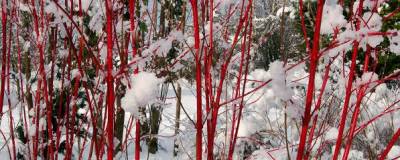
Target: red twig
pixel 110 80
pixel 310 87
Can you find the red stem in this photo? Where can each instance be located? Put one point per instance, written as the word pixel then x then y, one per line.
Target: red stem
pixel 4 51
pixel 241 105
pixel 311 83
pixel 199 114
pixel 356 112
pixel 137 140
pixel 110 80
pixel 386 151
pixel 317 106
pixel 132 29
pixel 348 91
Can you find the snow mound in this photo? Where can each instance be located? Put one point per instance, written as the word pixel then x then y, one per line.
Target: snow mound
pixel 143 91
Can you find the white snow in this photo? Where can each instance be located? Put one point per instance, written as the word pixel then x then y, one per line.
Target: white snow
pixel 278 83
pixel 394 152
pixel 32 131
pixel 264 110
pixel 288 9
pixel 144 91
pixel 395 42
pixel 368 77
pixel 332 133
pixel 332 17
pixel 75 73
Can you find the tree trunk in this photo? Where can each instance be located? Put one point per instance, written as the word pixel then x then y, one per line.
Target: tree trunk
pixel 119 118
pixel 177 118
pixel 155 120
